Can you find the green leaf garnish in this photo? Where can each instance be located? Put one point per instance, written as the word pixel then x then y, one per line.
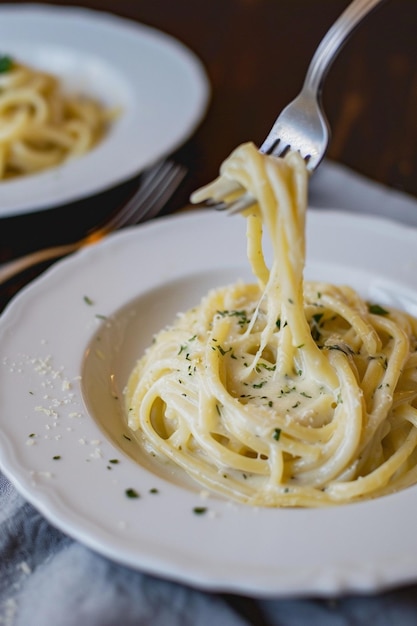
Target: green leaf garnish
pixel 277 434
pixel 132 493
pixel 376 309
pixel 199 510
pixel 6 63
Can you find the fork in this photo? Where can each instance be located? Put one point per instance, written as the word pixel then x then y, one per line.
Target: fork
pixel 157 185
pixel 302 125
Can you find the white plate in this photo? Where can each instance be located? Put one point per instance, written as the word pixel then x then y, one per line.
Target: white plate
pixel 63 368
pixel 158 83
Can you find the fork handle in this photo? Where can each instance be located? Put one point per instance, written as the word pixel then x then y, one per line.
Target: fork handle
pixel 15 267
pixel 334 39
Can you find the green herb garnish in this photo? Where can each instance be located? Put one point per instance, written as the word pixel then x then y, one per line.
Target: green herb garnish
pixel 376 309
pixel 277 434
pixel 199 510
pixel 6 64
pixel 132 493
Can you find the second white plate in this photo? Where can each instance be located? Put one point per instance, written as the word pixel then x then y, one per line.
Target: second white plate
pixel 159 85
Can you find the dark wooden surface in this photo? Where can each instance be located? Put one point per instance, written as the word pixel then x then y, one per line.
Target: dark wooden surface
pixel 256 53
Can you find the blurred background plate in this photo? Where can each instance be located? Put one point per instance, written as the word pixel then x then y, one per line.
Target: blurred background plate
pixel 159 84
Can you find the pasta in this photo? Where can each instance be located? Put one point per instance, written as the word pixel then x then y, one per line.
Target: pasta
pixel 284 392
pixel 40 125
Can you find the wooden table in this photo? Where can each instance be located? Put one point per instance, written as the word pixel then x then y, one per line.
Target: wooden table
pixel 256 53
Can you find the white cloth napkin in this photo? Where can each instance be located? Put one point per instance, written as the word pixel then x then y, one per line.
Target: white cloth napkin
pixel 335 186
pixel 47 579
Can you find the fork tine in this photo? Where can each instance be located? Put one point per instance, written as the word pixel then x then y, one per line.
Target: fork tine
pixel 302 125
pixel 245 201
pixel 235 206
pixel 131 212
pixel 166 188
pixel 272 141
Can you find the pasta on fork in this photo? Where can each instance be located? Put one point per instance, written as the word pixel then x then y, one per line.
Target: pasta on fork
pixel 284 392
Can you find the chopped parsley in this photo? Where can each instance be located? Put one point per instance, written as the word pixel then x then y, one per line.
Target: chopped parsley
pixel 223 351
pixel 317 317
pixel 242 317
pixel 376 309
pixel 199 510
pixel 6 64
pixel 132 493
pixel 277 434
pixel 315 325
pixel 268 368
pixel 342 348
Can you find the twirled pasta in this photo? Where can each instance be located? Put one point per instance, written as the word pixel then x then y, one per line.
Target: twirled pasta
pixel 285 392
pixel 40 125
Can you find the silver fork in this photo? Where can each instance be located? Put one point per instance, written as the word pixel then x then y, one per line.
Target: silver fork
pixel 157 185
pixel 302 126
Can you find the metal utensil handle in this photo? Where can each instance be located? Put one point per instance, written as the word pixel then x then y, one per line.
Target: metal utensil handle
pixel 334 39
